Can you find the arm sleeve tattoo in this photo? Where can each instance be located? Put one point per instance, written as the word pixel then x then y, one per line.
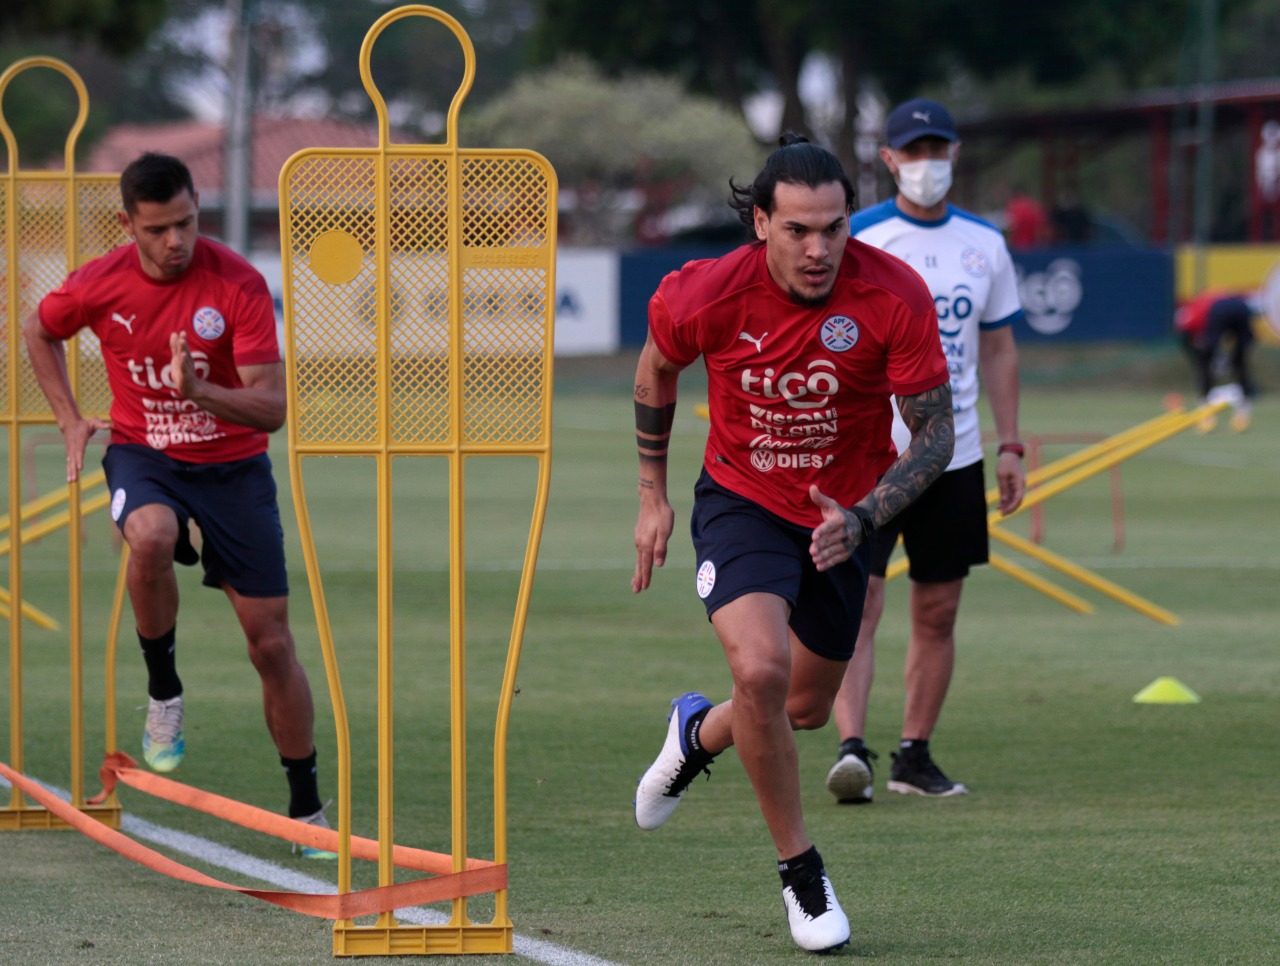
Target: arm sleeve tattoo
pixel 928 416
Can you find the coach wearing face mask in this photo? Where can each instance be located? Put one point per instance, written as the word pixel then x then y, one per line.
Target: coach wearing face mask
pixel 967 267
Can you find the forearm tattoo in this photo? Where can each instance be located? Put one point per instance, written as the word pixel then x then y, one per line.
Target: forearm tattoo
pixel 933 438
pixel 653 428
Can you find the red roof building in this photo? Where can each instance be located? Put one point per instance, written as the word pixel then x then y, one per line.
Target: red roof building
pixel 200 145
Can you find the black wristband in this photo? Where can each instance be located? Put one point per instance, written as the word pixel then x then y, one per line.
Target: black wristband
pixel 868 522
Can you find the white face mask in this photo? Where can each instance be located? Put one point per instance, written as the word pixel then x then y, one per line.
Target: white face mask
pixel 924 183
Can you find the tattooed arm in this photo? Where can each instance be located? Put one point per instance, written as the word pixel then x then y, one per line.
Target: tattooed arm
pixel 928 416
pixel 655 406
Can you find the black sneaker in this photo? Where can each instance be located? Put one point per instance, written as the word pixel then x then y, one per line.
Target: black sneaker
pixel 851 777
pixel 914 773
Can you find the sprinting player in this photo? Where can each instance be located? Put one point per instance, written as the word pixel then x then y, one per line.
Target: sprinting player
pixel 804 335
pixel 189 339
pixel 967 267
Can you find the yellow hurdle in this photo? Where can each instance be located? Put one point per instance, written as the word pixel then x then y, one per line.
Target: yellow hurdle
pixel 1054 478
pixel 53 221
pixel 419 301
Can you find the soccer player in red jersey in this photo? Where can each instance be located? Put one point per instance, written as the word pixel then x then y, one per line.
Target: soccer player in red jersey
pixel 188 336
pixel 804 334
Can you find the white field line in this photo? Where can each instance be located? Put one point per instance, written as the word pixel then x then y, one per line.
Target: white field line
pixel 243 864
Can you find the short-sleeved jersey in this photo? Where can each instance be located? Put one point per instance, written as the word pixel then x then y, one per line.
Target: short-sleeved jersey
pixel 966 264
pixel 1193 317
pixel 800 394
pixel 221 302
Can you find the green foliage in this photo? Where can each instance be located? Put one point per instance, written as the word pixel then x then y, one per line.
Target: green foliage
pixel 118 26
pixel 606 137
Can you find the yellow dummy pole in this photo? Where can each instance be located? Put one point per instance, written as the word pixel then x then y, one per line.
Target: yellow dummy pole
pixel 47 217
pixel 452 361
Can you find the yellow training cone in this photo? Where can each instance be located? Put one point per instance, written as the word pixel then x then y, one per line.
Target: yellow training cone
pixel 1166 691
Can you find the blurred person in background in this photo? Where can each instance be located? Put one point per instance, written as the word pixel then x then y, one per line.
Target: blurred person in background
pixel 966 265
pixel 1220 321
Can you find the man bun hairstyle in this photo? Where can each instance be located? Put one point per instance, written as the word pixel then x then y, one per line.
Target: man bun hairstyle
pixel 795 161
pixel 154 177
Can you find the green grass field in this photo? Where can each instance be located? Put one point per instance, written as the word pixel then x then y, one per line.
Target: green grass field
pixel 1097 831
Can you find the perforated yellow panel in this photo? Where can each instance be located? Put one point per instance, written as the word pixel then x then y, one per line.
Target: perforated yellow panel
pixel 418 297
pixel 337 296
pixel 51 239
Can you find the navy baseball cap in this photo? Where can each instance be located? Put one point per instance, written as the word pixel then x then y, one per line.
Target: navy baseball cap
pixel 918 118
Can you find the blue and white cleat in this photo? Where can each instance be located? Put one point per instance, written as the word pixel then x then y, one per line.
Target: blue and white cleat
pixel 664 784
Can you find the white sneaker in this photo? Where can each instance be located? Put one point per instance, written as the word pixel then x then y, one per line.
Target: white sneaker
pixel 664 784
pixel 817 922
pixel 162 742
pixel 851 779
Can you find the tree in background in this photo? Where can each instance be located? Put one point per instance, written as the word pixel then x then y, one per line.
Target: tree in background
pixel 733 48
pixel 628 152
pixel 117 26
pixel 90 35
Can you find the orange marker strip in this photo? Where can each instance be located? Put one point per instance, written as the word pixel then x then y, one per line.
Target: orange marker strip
pixel 344 906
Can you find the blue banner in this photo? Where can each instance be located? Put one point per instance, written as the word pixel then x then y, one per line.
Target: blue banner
pixel 1075 293
pixel 1095 294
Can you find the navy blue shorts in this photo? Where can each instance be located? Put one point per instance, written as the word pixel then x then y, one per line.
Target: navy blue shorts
pixel 742 548
pixel 944 531
pixel 234 504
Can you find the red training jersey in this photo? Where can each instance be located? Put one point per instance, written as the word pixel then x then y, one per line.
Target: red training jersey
pixel 1192 317
pixel 221 302
pixel 800 394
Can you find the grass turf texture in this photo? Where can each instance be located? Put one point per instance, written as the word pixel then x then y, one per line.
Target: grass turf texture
pixel 1097 831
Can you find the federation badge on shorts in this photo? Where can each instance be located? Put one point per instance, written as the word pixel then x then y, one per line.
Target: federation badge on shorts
pixel 117 504
pixel 839 333
pixel 973 262
pixel 208 323
pixel 706 579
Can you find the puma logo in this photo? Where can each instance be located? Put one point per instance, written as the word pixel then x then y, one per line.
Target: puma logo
pixel 127 323
pixel 752 339
pixel 921 116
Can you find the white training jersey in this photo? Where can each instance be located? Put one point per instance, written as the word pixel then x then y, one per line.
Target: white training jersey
pixel 966 264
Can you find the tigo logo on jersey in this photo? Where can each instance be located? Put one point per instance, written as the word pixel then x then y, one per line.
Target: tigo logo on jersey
pixel 706 579
pixel 973 262
pixel 208 323
pixel 839 333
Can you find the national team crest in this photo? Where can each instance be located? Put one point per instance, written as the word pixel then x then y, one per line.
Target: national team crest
pixel 973 262
pixel 208 323
pixel 706 579
pixel 839 333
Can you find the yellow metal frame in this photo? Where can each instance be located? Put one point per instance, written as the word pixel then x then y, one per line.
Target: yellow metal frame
pixel 1054 478
pixel 53 221
pixel 419 301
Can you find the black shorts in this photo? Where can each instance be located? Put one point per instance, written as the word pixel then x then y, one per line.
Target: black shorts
pixel 234 504
pixel 944 531
pixel 742 548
